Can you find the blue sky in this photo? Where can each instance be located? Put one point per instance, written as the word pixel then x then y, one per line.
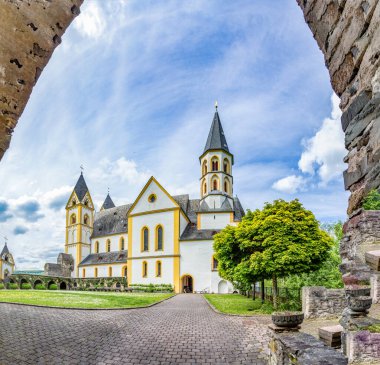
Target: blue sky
pixel 130 93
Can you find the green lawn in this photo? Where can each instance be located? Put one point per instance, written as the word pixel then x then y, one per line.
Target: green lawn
pixel 238 304
pixel 70 299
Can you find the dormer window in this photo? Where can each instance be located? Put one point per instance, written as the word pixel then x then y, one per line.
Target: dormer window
pixel 74 202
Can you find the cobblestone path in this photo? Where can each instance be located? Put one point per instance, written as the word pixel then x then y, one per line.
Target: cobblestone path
pixel 181 330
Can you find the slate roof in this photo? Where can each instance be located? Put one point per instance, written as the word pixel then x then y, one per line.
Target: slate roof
pixel 108 203
pixel 105 258
pixel 81 187
pixel 191 233
pixel 111 221
pixel 5 250
pixel 216 139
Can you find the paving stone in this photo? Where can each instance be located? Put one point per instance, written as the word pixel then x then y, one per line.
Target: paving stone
pixel 182 330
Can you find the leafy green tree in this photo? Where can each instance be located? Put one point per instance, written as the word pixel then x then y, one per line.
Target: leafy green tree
pixel 282 239
pixel 372 200
pixel 328 275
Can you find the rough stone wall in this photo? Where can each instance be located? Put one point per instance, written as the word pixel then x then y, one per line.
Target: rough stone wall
pixel 289 348
pixel 361 234
pixel 30 30
pixel 63 268
pixel 348 33
pixel 319 302
pixel 363 347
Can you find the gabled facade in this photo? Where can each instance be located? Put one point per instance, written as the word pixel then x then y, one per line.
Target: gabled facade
pixel 160 238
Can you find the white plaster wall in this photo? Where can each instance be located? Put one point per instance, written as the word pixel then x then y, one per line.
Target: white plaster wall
pixel 72 233
pixel 85 251
pixel 162 201
pixel 115 241
pixel 102 270
pixel 183 223
pixel 86 234
pixel 166 220
pixel 167 275
pixel 6 266
pixel 215 220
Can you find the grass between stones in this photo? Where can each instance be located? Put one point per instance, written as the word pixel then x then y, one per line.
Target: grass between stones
pixel 70 299
pixel 238 304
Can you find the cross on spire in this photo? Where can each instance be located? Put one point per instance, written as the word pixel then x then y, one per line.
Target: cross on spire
pixel 216 104
pixel 81 169
pixel 6 239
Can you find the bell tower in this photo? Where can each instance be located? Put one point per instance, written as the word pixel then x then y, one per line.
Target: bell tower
pixel 216 167
pixel 79 223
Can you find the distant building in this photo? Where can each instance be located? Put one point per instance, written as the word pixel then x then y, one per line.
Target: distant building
pixel 7 264
pixel 160 238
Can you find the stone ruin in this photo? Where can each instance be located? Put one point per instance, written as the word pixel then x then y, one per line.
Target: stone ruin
pixel 63 268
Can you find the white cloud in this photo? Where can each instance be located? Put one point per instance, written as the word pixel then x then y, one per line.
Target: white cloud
pixel 90 23
pixel 290 184
pixel 325 151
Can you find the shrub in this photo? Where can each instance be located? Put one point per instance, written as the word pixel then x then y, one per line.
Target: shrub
pixel 372 200
pixel 2 286
pixel 12 286
pixel 40 287
pixel 26 286
pixel 53 287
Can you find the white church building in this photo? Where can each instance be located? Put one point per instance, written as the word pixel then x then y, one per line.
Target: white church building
pixel 160 238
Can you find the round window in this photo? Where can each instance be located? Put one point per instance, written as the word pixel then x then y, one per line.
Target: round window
pixel 152 198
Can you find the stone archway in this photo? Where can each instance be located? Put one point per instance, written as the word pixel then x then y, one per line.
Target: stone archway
pixel 37 282
pixel 187 284
pixel 62 285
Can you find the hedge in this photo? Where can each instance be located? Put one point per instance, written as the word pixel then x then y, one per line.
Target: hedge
pixel 152 288
pixel 53 287
pixel 12 286
pixel 40 287
pixel 26 286
pixel 2 286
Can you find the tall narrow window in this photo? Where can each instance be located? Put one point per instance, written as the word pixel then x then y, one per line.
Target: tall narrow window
pixel 125 272
pixel 215 184
pixel 158 268
pixel 73 219
pixel 205 188
pixel 96 247
pixel 110 271
pixel 86 219
pixel 214 263
pixel 204 169
pixel 144 269
pixel 96 272
pixel 108 246
pixel 83 273
pixel 122 245
pixel 226 186
pixel 215 164
pixel 160 238
pixel 145 239
pixel 226 166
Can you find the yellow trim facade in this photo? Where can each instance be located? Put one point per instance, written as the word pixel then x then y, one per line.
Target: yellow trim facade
pixel 176 260
pixel 142 239
pixel 130 253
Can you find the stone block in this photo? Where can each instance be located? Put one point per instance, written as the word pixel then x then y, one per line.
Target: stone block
pixel 372 258
pixel 331 335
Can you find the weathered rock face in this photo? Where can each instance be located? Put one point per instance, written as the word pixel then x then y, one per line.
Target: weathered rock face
pixel 348 33
pixel 30 30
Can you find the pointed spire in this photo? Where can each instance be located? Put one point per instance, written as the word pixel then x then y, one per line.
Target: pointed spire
pixel 5 250
pixel 81 187
pixel 216 139
pixel 108 203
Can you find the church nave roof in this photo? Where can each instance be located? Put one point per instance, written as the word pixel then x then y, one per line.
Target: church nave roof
pixel 105 258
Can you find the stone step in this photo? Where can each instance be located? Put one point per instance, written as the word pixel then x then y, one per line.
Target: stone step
pixel 372 258
pixel 331 335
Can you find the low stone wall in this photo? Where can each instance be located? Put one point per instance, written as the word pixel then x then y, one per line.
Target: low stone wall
pixel 363 347
pixel 319 302
pixel 289 348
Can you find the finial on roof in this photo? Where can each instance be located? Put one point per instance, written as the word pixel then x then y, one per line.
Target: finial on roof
pixel 216 105
pixel 81 169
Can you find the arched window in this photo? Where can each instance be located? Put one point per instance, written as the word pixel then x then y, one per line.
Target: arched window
pixel 145 239
pixel 158 268
pixel 215 164
pixel 122 244
pixel 125 271
pixel 205 188
pixel 159 238
pixel 226 166
pixel 204 167
pixel 96 272
pixel 108 246
pixel 96 247
pixel 226 186
pixel 215 183
pixel 86 219
pixel 214 263
pixel 144 269
pixel 83 273
pixel 73 218
pixel 110 271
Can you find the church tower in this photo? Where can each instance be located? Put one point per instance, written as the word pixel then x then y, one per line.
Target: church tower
pixel 216 168
pixel 79 223
pixel 7 264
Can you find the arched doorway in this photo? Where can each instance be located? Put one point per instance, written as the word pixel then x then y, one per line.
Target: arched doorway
pixel 62 286
pixel 187 284
pixel 37 282
pixel 222 287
